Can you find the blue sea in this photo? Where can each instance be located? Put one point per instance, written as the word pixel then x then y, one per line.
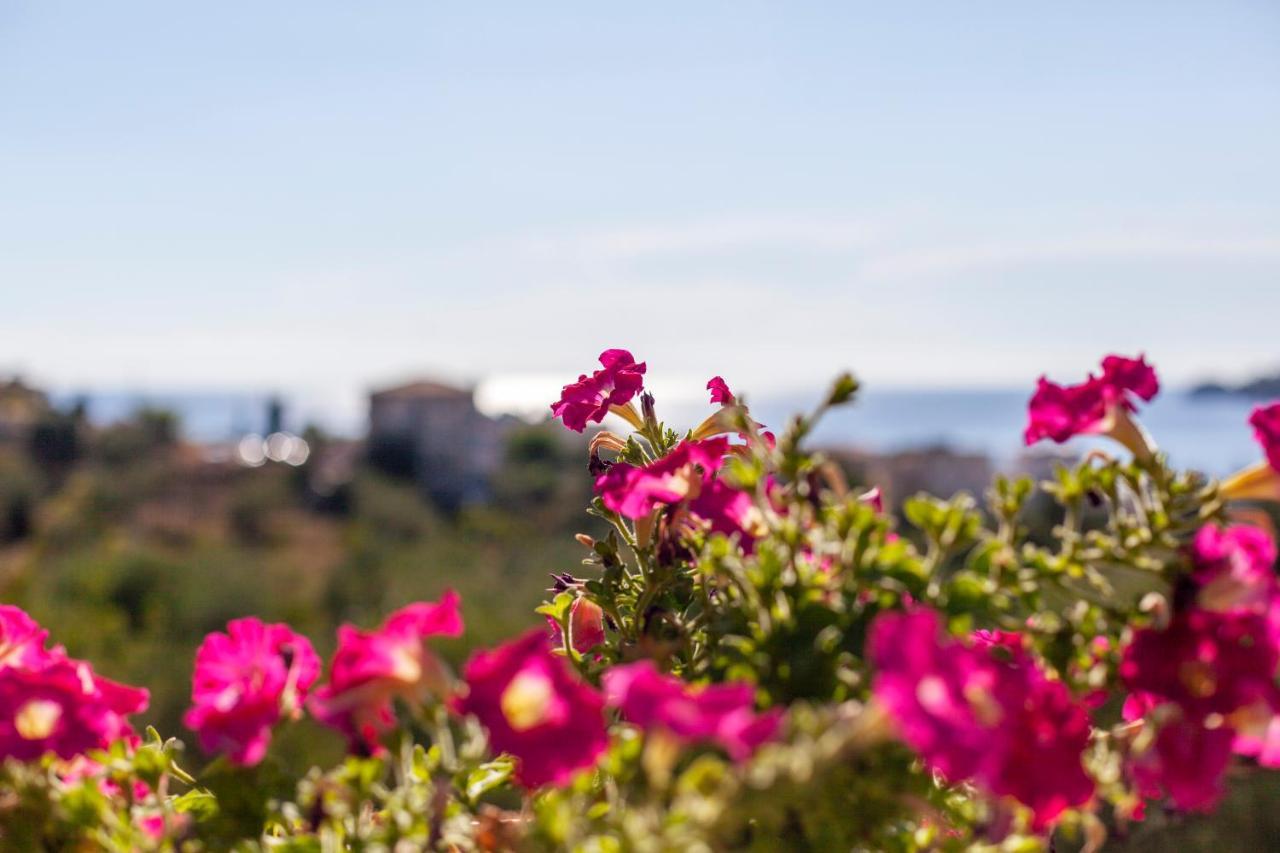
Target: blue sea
pixel 1210 434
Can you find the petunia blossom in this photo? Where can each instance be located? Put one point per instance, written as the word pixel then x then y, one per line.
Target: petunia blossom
pixel 1186 761
pixel 1234 570
pixel 635 491
pixel 1265 421
pixel 985 712
pixel 725 420
pixel 609 389
pixel 245 681
pixel 1260 481
pixel 720 393
pixel 729 511
pixel 1101 405
pixel 536 709
pixel 62 707
pixel 723 714
pixel 22 640
pixel 1205 662
pixel 370 669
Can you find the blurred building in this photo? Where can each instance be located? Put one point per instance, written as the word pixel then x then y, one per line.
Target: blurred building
pixel 939 471
pixel 434 433
pixel 21 408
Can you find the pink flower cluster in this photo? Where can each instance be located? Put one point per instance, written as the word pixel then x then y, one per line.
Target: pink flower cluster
pixel 590 398
pixel 536 709
pixel 983 710
pixel 1061 412
pixel 255 675
pixel 686 477
pixel 51 703
pixel 1207 680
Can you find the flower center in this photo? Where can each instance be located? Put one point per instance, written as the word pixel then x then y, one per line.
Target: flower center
pixel 37 719
pixel 1197 677
pixel 931 692
pixel 526 702
pixel 406 667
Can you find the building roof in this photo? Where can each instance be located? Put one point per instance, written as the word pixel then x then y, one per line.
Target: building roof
pixel 422 389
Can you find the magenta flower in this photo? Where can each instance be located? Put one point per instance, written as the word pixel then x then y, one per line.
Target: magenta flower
pixel 1098 406
pixel 1260 481
pixel 245 680
pixel 535 709
pixel 729 511
pixel 62 706
pixel 723 714
pixel 636 491
pixel 21 639
pixel 586 625
pixel 985 712
pixel 1234 569
pixel 1205 663
pixel 1265 421
pixel 1261 742
pixel 940 694
pixel 370 669
pixel 718 423
pixel 592 397
pixel 873 498
pixel 720 393
pixel 1186 761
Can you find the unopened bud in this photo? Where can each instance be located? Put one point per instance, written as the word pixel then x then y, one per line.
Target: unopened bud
pixel 584 539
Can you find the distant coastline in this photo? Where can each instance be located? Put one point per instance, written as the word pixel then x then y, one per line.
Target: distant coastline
pixel 1264 387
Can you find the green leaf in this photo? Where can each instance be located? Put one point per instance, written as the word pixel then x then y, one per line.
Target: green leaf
pixel 488 776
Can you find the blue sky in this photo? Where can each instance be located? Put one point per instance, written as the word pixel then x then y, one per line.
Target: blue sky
pixel 322 196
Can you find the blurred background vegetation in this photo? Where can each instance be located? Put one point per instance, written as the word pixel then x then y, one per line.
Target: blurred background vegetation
pixel 130 546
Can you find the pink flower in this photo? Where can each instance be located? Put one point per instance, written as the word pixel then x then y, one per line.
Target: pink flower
pixel 535 709
pixel 636 491
pixel 245 680
pixel 1097 406
pixel 591 397
pixel 873 498
pixel 718 424
pixel 729 511
pixel 586 625
pixel 987 712
pixel 1260 481
pixel 723 714
pixel 1265 421
pixel 720 392
pixel 1234 568
pixel 62 706
pixel 372 668
pixel 1187 761
pixel 21 639
pixel 1205 663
